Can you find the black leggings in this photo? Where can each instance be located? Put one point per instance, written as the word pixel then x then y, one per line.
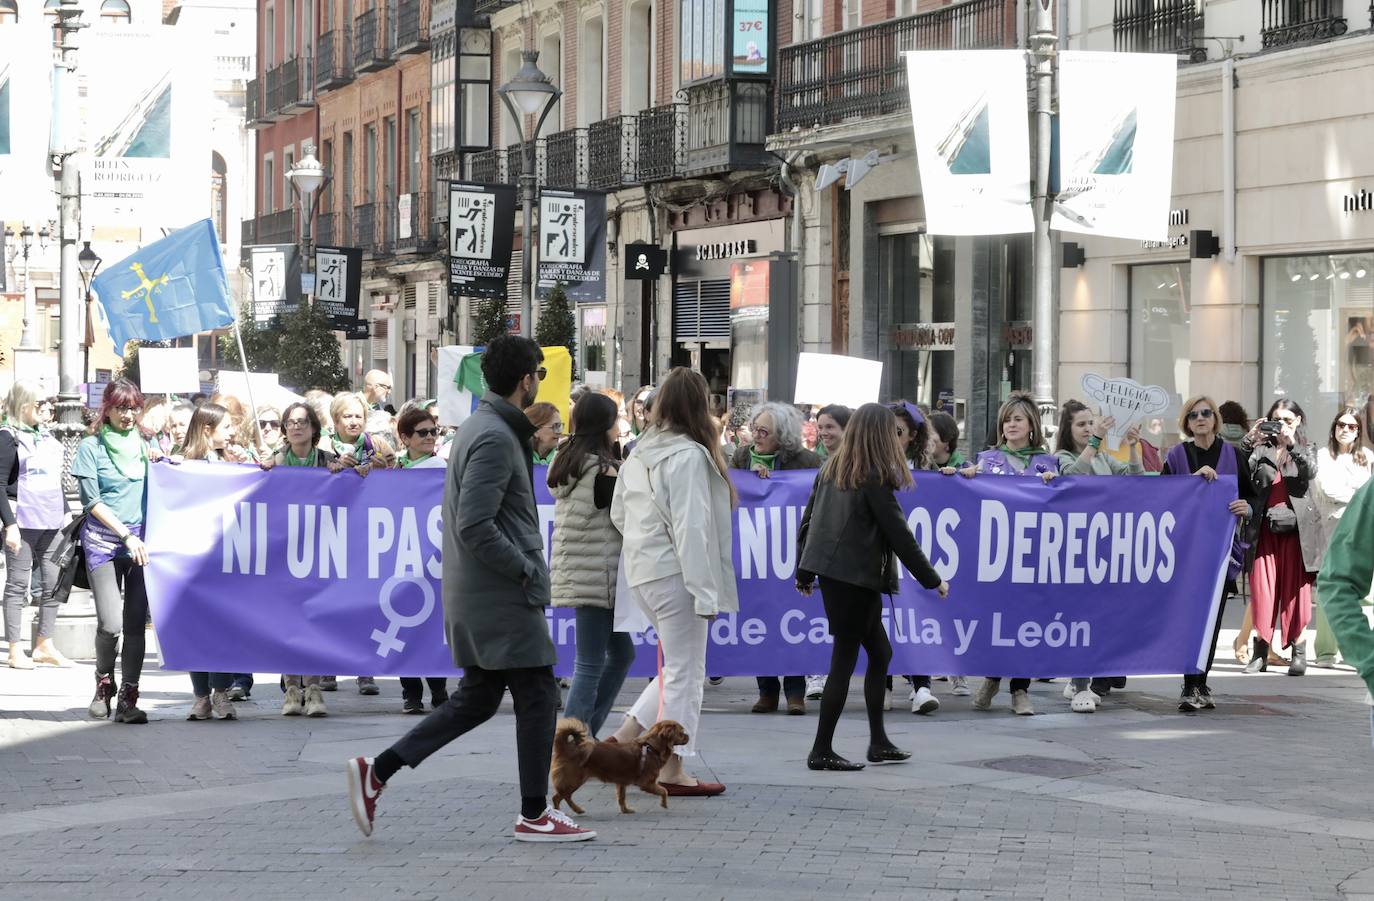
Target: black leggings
pixel 857 614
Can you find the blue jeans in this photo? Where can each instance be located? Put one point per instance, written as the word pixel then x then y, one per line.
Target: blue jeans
pixel 603 658
pixel 201 683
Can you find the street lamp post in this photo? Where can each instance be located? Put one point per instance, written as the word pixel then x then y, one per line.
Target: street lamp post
pixel 307 178
pixel 529 93
pixel 1043 42
pixel 22 249
pixel 63 146
pixel 89 263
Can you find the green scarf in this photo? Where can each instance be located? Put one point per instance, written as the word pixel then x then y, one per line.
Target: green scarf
pixel 955 460
pixel 822 452
pixel 468 376
pixel 127 451
pixel 756 459
pixel 1025 454
pixel 308 460
pixel 544 461
pixel 18 424
pixel 357 448
pixel 405 461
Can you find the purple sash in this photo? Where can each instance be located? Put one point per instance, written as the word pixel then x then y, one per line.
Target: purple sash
pixel 41 503
pixel 1227 465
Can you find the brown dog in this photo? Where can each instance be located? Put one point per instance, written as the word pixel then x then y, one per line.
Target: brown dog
pixel 578 757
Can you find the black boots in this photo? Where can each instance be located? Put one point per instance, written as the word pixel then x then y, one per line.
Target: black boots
pixel 104 691
pixel 1259 657
pixel 126 710
pixel 1298 665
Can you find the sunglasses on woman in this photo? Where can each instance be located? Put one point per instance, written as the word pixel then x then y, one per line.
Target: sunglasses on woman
pixel 269 423
pixel 425 433
pixel 1200 414
pixel 1342 425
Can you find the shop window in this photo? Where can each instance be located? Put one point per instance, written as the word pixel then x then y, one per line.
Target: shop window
pixel 916 286
pixel 1161 349
pixel 1318 334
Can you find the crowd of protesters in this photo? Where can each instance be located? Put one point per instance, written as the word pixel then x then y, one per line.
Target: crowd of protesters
pixel 642 490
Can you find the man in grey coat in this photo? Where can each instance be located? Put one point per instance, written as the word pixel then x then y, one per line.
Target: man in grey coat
pixel 495 588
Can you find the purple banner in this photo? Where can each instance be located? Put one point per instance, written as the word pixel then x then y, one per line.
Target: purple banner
pixel 298 570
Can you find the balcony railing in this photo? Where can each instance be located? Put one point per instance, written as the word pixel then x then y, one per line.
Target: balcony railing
pixel 412 27
pixel 416 228
pixel 487 167
pixel 272 228
pixel 662 137
pixel 372 40
pixel 252 104
pixel 515 162
pixel 611 153
pixel 325 224
pixel 1158 26
pixel 1300 21
pixel 565 159
pixel 334 59
pixel 727 124
pixel 487 7
pixel 248 232
pixel 298 84
pixel 374 227
pixel 860 73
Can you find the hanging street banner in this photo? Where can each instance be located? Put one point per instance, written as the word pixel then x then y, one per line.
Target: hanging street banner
pixel 276 274
pixel 968 109
pixel 26 183
pixel 572 244
pixel 147 125
pixel 338 284
pixel 481 230
pixel 1116 143
pixel 300 570
pixel 749 48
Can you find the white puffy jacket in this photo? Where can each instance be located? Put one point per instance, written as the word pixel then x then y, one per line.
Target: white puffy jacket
pixel 672 505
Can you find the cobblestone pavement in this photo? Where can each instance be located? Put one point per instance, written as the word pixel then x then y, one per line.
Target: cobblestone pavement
pixel 1268 795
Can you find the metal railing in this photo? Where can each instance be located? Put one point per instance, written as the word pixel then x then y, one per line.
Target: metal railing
pixel 334 59
pixel 487 167
pixel 324 230
pixel 372 40
pixel 1158 26
pixel 724 119
pixel 487 7
pixel 412 26
pixel 860 73
pixel 276 228
pixel 417 231
pixel 252 103
pixel 374 227
pixel 248 232
pixel 662 137
pixel 611 153
pixel 1300 21
pixel 565 158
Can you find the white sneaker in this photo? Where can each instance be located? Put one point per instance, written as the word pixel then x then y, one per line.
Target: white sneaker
pixel 314 702
pixel 958 686
pixel 986 692
pixel 294 704
pixel 1069 692
pixel 922 701
pixel 815 687
pixel 552 826
pixel 1021 703
pixel 1084 702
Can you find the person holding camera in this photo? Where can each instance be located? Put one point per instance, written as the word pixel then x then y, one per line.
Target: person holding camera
pixel 1288 555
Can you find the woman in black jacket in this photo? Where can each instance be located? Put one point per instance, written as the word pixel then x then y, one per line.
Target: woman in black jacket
pixel 850 532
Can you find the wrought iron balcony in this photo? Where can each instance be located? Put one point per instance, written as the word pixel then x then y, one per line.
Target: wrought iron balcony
pixel 861 73
pixel 248 232
pixel 515 161
pixel 565 158
pixel 1301 21
pixel 662 137
pixel 412 26
pixel 611 153
pixel 487 7
pixel 1159 26
pixel 417 230
pixel 297 84
pixel 275 228
pixel 372 40
pixel 334 59
pixel 727 123
pixel 252 104
pixel 374 227
pixel 324 230
pixel 487 167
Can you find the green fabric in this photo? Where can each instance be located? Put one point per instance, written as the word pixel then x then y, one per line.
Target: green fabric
pixel 956 460
pixel 822 452
pixel 468 376
pixel 1231 434
pixel 93 467
pixel 756 459
pixel 126 449
pixel 546 460
pixel 308 460
pixel 404 461
pixel 19 426
pixel 356 448
pixel 1025 454
pixel 1345 579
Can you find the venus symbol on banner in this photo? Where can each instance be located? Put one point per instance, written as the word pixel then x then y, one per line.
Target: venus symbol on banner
pixel 1125 400
pixel 387 640
pixel 562 228
pixel 470 232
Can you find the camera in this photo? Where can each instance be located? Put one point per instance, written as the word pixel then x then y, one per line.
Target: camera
pixel 1270 430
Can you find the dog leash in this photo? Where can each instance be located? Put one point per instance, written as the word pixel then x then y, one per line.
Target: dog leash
pixel 660 677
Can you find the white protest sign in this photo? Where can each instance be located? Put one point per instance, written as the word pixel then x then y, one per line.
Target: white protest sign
pixel 454 405
pixel 1125 400
pixel 835 379
pixel 168 370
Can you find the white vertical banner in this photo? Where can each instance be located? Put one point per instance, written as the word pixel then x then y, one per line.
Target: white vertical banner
pixel 968 110
pixel 147 125
pixel 26 182
pixel 1116 143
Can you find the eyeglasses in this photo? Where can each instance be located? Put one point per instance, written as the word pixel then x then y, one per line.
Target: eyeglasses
pixel 269 423
pixel 761 433
pixel 1287 420
pixel 426 433
pixel 1347 426
pixel 541 373
pixel 1200 414
pixel 298 423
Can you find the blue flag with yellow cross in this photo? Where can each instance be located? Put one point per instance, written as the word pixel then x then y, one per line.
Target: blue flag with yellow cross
pixel 169 289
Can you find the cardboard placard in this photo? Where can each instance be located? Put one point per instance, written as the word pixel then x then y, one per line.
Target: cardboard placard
pixel 168 370
pixel 836 379
pixel 1126 400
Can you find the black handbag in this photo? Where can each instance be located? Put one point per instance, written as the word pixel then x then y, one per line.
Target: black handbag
pixel 1281 519
pixel 70 557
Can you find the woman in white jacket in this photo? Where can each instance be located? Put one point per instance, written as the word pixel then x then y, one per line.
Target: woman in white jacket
pixel 1343 466
pixel 673 506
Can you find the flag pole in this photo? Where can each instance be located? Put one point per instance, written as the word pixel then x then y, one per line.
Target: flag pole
pixel 248 383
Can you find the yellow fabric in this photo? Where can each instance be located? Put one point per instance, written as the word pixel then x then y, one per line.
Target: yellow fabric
pixel 557 388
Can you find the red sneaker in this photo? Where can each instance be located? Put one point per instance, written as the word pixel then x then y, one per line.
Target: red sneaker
pixel 552 826
pixel 363 791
